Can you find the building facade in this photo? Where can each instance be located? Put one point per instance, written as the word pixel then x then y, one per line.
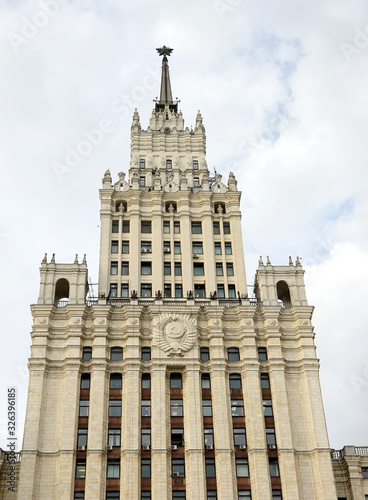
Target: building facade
pixel 173 383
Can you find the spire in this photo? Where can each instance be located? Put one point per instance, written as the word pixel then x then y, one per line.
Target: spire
pixel 166 98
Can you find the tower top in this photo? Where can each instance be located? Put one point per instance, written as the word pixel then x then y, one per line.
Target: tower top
pixel 166 98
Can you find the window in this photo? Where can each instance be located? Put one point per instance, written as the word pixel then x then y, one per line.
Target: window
pixel 115 408
pixel 267 408
pixel 169 164
pixel 115 226
pixel 262 353
pixel 207 407
pixel 228 250
pixel 87 353
pixel 146 381
pixel 220 291
pixel 274 467
pixel 146 437
pixel 199 291
pixel 211 495
pixel 114 437
pixel 198 269
pixel 218 248
pixel 146 408
pixel 112 495
pixel 365 472
pixel 167 290
pixel 195 165
pixel 244 495
pixel 176 407
pixel 210 467
pixel 83 408
pixel 79 495
pixel 176 381
pixel 142 181
pixel 237 408
pixel 196 227
pixel 113 469
pixel 146 290
pixel 208 437
pixel 177 268
pixel 167 268
pixel 126 226
pixel 231 291
pixel 242 468
pixel 167 247
pixel 205 353
pixel 177 249
pixel 114 268
pixel 82 437
pixel 125 268
pixel 124 290
pixel 177 227
pixel 226 227
pixel 114 246
pixel 216 228
pixel 146 353
pixel 230 269
pixel 265 381
pixel 85 381
pixel 235 381
pixel 146 268
pixel 277 495
pixel 196 182
pixel 270 436
pixel 116 354
pixel 146 467
pixel 178 495
pixel 219 270
pixel 113 290
pixel 142 163
pixel 145 495
pixel 80 469
pixel 116 381
pixel 125 247
pixel 239 437
pixel 178 290
pixel 146 246
pixel 166 226
pixel 177 437
pixel 206 381
pixel 178 467
pixel 146 226
pixel 233 354
pixel 197 247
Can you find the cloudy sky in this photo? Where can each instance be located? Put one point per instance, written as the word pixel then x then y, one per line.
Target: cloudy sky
pixel 282 86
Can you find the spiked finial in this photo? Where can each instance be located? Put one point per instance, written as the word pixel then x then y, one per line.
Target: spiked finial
pixel 164 51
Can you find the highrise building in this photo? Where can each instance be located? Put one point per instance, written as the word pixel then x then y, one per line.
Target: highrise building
pixel 173 383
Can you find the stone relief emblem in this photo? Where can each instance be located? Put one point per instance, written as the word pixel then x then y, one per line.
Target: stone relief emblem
pixel 175 334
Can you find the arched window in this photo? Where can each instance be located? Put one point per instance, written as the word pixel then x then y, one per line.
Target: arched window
pixel 116 354
pixel 283 292
pixel 62 292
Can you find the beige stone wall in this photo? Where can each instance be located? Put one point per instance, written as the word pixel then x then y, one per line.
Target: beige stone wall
pixel 347 467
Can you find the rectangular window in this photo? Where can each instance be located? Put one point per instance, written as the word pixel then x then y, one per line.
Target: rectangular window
pixel 196 227
pixel 113 290
pixel 176 381
pixel 85 381
pixel 146 353
pixel 177 437
pixel 242 467
pixel 87 353
pixel 79 495
pixel 218 248
pixel 176 227
pixel 207 407
pixel 116 381
pixel 167 268
pixel 124 290
pixel 114 268
pixel 231 291
pixel 235 381
pixel 216 228
pixel 198 269
pixel 142 181
pixel 114 246
pixel 125 247
pixel 226 227
pixel 277 495
pixel 237 408
pixel 244 495
pixel 267 408
pixel 178 495
pixel 177 247
pixel 176 407
pixel 177 268
pixel 115 408
pixel 146 408
pixel 365 472
pixel 146 246
pixel 167 290
pixel 220 291
pixel 270 436
pixel 195 165
pixel 113 469
pixel 146 437
pixel 125 268
pixel 146 226
pixel 239 437
pixel 208 437
pixel 205 353
pixel 114 437
pixel 265 381
pixel 228 250
pixel 142 163
pixel 146 381
pixel 219 270
pixel 274 467
pixel 146 268
pixel 80 469
pixel 178 291
pixel 210 467
pixel 126 226
pixel 197 247
pixel 166 226
pixel 230 269
pixel 169 164
pixel 145 495
pixel 167 247
pixel 82 437
pixel 115 226
pixel 206 381
pixel 233 354
pixel 262 353
pixel 146 290
pixel 146 467
pixel 196 182
pixel 178 467
pixel 83 408
pixel 211 495
pixel 199 291
pixel 112 495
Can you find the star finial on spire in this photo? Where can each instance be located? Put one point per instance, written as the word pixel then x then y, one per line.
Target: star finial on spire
pixel 164 51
